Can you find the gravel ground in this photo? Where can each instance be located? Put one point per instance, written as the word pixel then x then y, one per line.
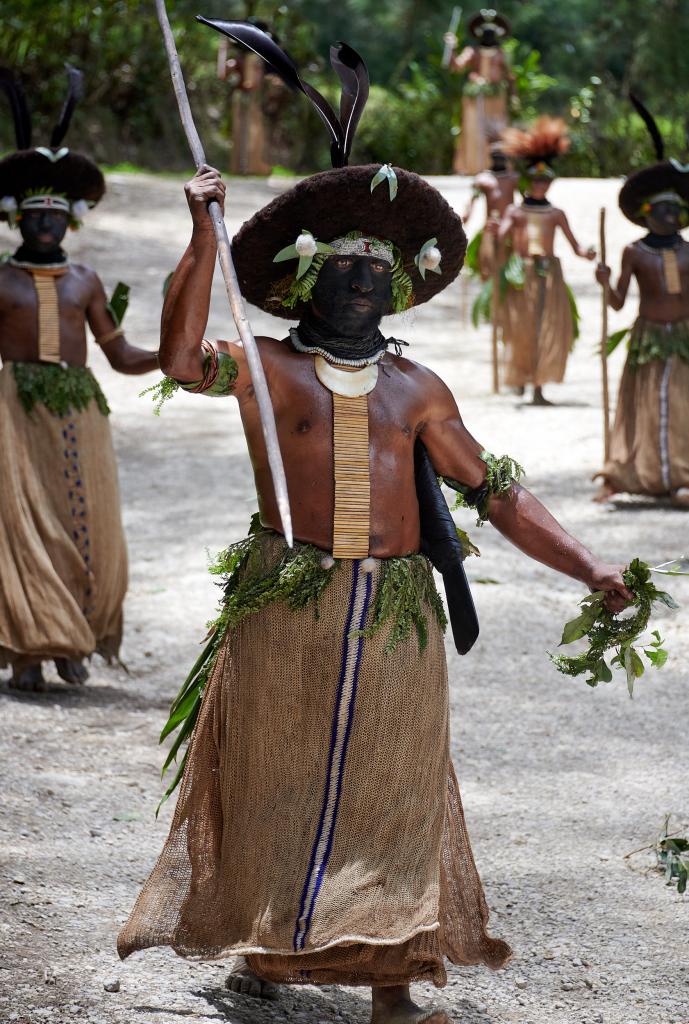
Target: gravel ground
pixel 559 781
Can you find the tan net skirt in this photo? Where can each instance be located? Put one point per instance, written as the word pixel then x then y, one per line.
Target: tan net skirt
pixel 482 117
pixel 62 549
pixel 318 829
pixel 649 446
pixel 538 326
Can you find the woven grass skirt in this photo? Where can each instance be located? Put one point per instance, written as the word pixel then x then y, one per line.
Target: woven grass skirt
pixel 538 326
pixel 319 829
pixel 63 558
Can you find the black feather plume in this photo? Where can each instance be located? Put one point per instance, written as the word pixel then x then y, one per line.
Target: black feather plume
pixel 649 121
pixel 353 74
pixel 75 90
pixel 281 64
pixel 20 111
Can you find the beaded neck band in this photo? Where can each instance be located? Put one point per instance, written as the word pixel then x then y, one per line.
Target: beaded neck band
pixel 29 265
pixel 317 350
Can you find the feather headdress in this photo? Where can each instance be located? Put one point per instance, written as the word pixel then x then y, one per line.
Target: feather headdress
pixel 347 64
pixel 46 172
pixel 369 203
pixel 667 178
pixel 545 140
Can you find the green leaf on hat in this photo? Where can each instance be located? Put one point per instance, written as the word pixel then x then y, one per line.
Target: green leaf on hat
pixel 386 173
pixel 304 264
pixel 53 157
pixel 288 253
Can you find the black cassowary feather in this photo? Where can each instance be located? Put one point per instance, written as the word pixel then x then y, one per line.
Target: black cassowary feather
pixel 20 110
pixel 353 74
pixel 346 62
pixel 653 129
pixel 75 90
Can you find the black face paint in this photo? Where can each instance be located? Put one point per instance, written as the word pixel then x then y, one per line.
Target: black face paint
pixel 488 37
pixel 664 218
pixel 352 294
pixel 43 230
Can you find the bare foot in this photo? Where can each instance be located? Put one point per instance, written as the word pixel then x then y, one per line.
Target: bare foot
pixel 538 398
pixel 394 1005
pixel 28 678
pixel 680 498
pixel 243 980
pixel 74 672
pixel 603 494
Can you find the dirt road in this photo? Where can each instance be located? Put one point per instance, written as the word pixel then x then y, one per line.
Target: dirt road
pixel 559 781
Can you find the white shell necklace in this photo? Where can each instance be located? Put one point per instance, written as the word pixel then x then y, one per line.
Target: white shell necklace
pixel 351 382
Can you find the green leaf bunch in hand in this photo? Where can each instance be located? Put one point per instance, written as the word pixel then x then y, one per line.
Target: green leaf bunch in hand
pixel 619 634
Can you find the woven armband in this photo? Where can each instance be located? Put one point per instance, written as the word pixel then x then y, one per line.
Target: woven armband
pixel 500 475
pixel 219 374
pixel 116 332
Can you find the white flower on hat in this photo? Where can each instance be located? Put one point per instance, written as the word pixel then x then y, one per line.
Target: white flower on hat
pixel 8 204
pixel 79 209
pixel 431 258
pixel 306 244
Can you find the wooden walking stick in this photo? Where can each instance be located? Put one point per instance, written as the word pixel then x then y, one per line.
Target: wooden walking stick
pixel 494 307
pixel 604 344
pixel 258 377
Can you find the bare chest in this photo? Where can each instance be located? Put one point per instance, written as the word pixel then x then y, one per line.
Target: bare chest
pixel 662 272
pixel 21 293
pixel 305 412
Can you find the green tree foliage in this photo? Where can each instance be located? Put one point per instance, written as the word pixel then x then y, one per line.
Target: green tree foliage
pixel 590 55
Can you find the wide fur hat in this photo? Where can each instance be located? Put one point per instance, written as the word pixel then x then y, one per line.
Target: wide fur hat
pixel 490 21
pixel 69 174
pixel 53 168
pixel 663 176
pixel 335 202
pixel 401 208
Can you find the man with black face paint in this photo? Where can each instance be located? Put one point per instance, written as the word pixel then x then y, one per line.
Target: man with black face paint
pixel 649 448
pixel 62 549
pixel 319 833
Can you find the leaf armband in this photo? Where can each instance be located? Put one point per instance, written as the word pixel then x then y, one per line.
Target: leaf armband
pixel 219 376
pixel 501 473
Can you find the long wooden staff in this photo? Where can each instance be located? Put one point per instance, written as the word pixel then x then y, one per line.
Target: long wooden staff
pixel 604 344
pixel 494 311
pixel 258 377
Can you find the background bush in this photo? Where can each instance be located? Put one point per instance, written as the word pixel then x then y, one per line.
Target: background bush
pixel 578 59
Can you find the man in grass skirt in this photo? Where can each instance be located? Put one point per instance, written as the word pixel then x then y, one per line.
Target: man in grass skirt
pixel 649 450
pixel 62 549
pixel 319 833
pixel 539 314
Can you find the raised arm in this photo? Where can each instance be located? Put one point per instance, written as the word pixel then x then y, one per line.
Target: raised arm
pixel 476 192
pixel 514 511
pixel 122 356
pixel 185 311
pixel 587 254
pixel 507 224
pixel 617 295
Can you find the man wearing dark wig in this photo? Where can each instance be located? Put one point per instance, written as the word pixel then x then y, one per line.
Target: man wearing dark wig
pixel 649 450
pixel 62 549
pixel 319 833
